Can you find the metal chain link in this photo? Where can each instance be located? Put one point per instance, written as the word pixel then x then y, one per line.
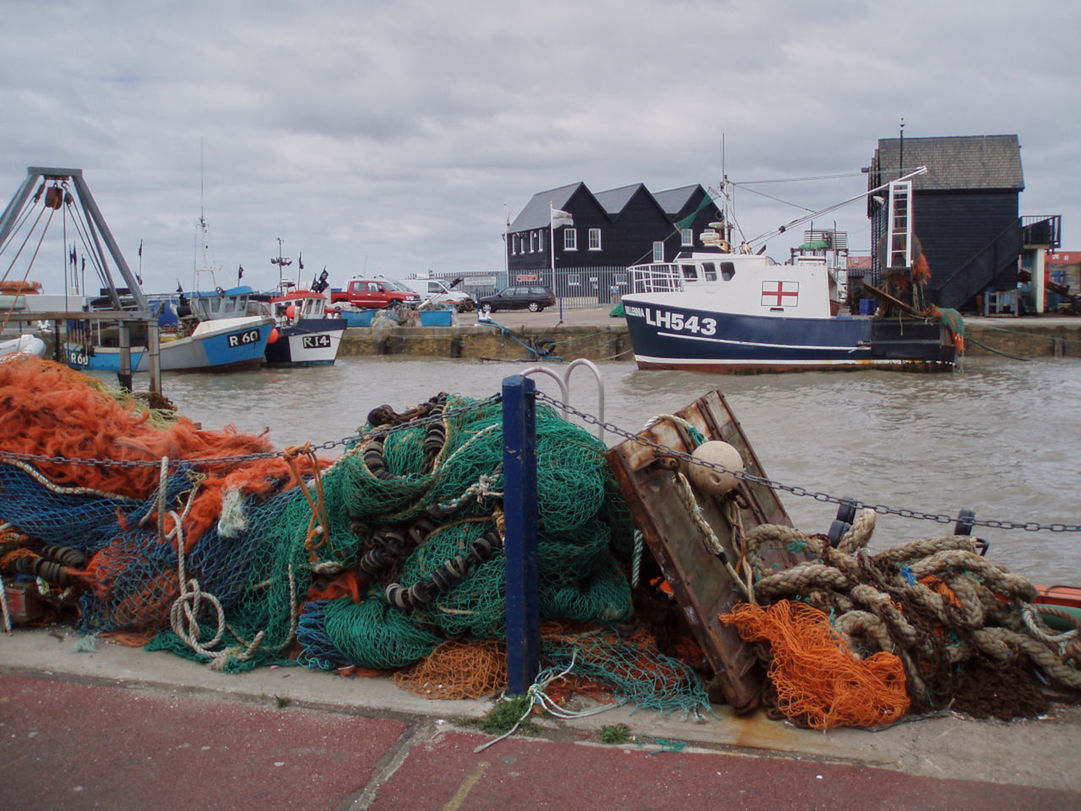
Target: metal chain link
pixel 802 492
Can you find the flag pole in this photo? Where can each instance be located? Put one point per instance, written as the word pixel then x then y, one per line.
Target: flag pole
pixel 552 249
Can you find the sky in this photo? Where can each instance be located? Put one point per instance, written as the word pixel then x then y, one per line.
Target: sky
pixel 398 137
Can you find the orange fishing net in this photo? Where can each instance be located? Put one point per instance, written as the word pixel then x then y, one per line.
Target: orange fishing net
pixel 49 410
pixel 816 677
pixel 458 670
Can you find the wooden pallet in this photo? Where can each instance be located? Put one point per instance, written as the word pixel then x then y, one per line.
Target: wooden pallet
pixel 700 582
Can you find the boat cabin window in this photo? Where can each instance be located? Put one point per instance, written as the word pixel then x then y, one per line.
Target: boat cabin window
pixel 690 273
pixel 728 270
pixel 709 271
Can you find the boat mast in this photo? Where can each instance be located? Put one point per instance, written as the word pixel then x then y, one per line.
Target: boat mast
pixel 282 262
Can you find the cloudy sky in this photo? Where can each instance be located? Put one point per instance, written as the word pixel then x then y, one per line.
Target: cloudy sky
pixel 394 136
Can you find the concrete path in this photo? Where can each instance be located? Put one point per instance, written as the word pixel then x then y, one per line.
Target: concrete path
pixel 125 728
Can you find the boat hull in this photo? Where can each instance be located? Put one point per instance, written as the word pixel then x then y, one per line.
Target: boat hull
pixel 308 342
pixel 216 346
pixel 673 336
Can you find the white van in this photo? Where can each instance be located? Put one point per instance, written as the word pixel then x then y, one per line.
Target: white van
pixel 435 290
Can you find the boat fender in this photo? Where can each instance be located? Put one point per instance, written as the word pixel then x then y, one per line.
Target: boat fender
pixel 711 480
pixel 966 519
pixel 846 514
pixel 273 335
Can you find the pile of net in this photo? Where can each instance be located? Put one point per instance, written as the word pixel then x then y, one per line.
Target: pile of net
pixel 852 638
pixel 215 546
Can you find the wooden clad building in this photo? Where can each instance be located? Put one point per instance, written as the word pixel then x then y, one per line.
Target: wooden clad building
pixel 614 228
pixel 965 211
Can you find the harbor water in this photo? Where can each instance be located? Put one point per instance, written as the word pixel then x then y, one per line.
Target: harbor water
pixel 1000 438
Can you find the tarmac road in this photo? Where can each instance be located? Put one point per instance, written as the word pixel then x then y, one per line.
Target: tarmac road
pixel 126 728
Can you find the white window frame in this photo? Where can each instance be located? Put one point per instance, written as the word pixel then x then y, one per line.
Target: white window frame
pixel 532 241
pixel 658 251
pixel 686 237
pixel 570 239
pixel 594 239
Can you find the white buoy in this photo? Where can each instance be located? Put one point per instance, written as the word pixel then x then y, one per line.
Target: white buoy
pixel 710 480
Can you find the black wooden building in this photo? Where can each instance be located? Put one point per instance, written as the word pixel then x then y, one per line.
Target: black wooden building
pixel 964 211
pixel 614 228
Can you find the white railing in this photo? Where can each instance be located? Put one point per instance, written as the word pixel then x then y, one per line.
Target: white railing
pixel 659 278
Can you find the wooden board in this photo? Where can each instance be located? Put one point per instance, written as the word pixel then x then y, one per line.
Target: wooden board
pixel 699 580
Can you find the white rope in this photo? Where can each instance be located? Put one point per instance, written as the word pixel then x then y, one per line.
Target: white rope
pixel 537 697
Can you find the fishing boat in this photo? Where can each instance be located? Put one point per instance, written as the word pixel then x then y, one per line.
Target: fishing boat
pixel 725 310
pixel 224 344
pixel 306 335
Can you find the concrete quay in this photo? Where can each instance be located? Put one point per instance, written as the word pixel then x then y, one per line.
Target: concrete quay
pixel 124 727
pixel 594 334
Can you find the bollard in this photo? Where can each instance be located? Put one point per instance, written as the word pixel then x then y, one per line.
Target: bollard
pixel 520 531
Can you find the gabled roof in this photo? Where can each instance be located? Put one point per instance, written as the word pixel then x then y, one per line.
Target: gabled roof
pixel 674 200
pixel 954 163
pixel 536 213
pixel 614 201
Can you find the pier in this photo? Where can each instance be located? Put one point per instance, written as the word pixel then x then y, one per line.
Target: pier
pixel 596 335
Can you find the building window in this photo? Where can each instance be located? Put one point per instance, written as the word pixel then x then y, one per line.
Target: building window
pixel 594 239
pixel 686 237
pixel 532 241
pixel 658 251
pixel 540 241
pixel 570 239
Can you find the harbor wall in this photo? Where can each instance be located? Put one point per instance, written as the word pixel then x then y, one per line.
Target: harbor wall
pixel 1024 337
pixel 610 342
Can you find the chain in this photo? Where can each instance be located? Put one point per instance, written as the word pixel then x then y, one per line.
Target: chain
pixel 802 492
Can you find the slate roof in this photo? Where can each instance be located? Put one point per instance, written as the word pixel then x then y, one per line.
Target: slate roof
pixel 615 200
pixel 536 212
pixel 673 200
pixel 954 163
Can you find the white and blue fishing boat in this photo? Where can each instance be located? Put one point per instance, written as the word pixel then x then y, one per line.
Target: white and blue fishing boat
pixel 221 345
pixel 736 311
pixel 305 334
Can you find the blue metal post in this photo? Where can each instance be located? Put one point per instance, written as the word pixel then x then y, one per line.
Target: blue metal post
pixel 520 539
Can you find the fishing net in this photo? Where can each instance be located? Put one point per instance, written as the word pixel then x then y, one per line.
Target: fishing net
pixel 235 554
pixel 849 631
pixel 815 677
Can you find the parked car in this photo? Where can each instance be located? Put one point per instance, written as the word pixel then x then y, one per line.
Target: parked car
pixel 435 290
pixel 375 293
pixel 530 297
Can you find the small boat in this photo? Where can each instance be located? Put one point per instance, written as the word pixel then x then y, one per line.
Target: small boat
pixel 721 310
pixel 24 344
pixel 219 345
pixel 306 335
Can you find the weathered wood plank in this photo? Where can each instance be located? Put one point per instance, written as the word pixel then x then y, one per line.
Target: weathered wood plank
pixel 699 580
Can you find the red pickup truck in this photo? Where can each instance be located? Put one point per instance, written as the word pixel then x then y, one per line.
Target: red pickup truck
pixel 375 293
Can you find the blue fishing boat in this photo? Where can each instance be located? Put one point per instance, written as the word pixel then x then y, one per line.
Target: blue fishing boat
pixel 219 345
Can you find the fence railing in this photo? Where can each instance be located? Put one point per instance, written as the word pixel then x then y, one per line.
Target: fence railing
pixel 578 287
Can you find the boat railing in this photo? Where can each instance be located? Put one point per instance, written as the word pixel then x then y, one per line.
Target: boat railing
pixel 656 278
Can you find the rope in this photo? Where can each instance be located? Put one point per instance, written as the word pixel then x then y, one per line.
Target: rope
pixel 318 523
pixel 185 610
pixel 538 698
pixel 935 603
pixel 709 537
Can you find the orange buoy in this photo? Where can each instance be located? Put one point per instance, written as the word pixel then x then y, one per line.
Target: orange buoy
pixel 273 335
